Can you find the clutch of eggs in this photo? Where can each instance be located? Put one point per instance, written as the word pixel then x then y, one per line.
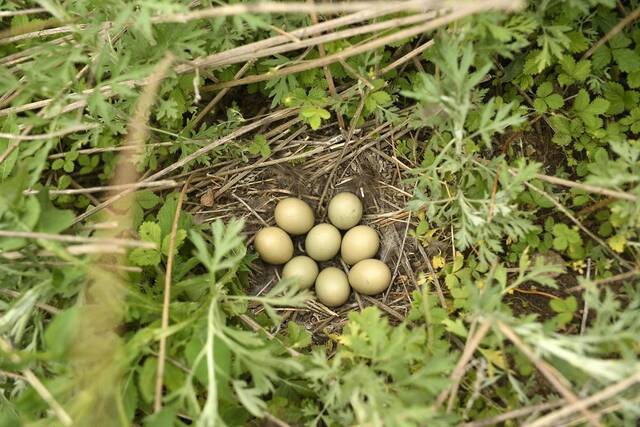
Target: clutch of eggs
pixel 323 241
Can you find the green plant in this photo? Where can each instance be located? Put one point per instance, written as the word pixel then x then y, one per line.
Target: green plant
pixel 514 138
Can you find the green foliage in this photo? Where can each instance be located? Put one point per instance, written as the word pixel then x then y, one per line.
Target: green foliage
pixel 380 374
pixel 565 309
pixel 311 105
pixel 546 99
pixel 497 102
pixel 567 239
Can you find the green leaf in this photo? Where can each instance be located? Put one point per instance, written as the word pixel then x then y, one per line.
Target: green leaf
pixel 164 418
pixel 150 232
pixel 581 102
pixel 554 101
pixel 6 167
pixel 297 336
pixel 52 219
pixel 57 164
pixel 167 212
pixel 180 237
pixel 540 105
pixel 617 243
pixel 598 106
pixel 565 308
pixel 572 71
pixel 147 199
pixel 588 111
pixel 147 379
pixel 544 89
pixel 314 115
pixel 618 98
pixel 145 257
pixel 61 332
pixel 260 146
pixel 627 59
pixel 455 327
pixel 250 398
pixel 632 120
pixel 633 79
pixel 601 57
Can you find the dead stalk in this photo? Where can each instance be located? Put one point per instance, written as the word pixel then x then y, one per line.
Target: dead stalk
pixel 549 372
pixel 162 352
pixel 473 341
pixel 553 418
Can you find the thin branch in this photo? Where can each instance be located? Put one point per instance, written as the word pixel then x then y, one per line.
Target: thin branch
pixel 581 405
pixel 608 280
pixel 473 341
pixel 37 385
pixel 304 32
pixel 200 152
pixel 517 413
pixel 162 352
pixel 55 134
pixel 77 239
pixel 8 13
pixel 586 187
pixel 223 58
pixel 44 307
pixel 285 7
pixel 43 33
pixel 462 11
pixel 168 183
pixel 327 74
pixel 407 57
pixel 612 33
pixel 549 372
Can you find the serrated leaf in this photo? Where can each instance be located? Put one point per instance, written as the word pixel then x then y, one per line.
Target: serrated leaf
pixel 147 199
pixel 145 257
pixel 598 106
pixel 581 102
pixel 180 237
pixel 297 336
pixel 601 57
pixel 150 232
pixel 544 89
pixel 628 60
pixel 250 398
pixel 554 101
pixel 314 122
pixel 455 327
pixel 617 243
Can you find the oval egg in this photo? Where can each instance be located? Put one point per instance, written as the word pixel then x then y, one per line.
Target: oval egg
pixel 323 242
pixel 294 216
pixel 361 242
pixel 345 210
pixel 273 245
pixel 332 287
pixel 302 268
pixel 370 277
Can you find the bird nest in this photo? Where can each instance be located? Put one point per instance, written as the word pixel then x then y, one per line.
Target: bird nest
pixel 314 167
